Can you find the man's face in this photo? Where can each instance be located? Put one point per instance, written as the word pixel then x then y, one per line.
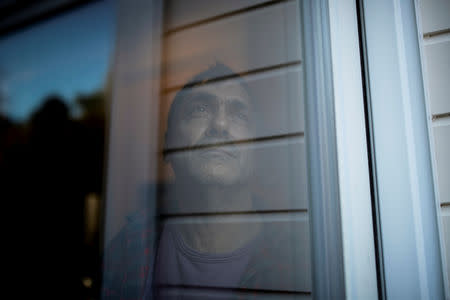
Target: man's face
pixel 213 115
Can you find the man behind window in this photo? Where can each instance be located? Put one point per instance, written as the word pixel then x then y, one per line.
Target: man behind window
pixel 204 250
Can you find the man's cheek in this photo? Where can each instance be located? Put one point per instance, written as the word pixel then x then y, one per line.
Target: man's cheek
pixel 192 132
pixel 240 131
pixel 246 160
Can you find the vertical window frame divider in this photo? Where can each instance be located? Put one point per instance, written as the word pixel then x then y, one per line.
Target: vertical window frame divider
pixel 410 231
pixel 326 238
pixel 342 241
pixel 359 245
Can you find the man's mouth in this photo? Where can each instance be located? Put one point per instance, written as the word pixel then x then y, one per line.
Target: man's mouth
pixel 218 152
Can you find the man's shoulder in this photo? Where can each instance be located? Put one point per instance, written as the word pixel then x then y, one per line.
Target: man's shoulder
pixel 142 222
pixel 128 256
pixel 134 240
pixel 274 263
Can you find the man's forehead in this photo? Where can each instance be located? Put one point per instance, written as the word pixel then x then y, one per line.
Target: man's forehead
pixel 228 91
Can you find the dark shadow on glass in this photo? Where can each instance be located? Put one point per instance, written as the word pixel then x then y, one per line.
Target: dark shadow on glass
pixel 51 171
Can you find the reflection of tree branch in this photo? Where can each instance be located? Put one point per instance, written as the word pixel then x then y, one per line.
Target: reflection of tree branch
pixel 3 96
pixel 92 107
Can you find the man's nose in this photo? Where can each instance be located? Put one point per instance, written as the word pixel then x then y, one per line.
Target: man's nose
pixel 219 123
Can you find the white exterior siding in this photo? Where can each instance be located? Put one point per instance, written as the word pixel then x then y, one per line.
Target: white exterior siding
pixel 435 15
pixel 435 19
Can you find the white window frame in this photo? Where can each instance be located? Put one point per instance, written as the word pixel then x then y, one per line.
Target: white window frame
pixel 409 238
pixel 343 250
pixel 400 129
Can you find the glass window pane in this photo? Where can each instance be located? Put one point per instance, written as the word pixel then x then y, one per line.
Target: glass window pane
pixel 222 210
pixel 53 113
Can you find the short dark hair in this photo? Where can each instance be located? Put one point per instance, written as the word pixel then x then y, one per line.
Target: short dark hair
pixel 214 73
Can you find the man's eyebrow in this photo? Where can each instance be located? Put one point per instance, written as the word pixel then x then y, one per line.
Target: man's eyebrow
pixel 239 103
pixel 200 95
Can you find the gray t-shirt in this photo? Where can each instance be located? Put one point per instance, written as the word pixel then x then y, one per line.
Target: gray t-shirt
pixel 184 273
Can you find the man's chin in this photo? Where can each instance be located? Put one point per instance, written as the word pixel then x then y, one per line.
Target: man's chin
pixel 212 171
pixel 217 175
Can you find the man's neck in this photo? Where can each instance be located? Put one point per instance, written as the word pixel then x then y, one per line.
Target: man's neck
pixel 212 233
pixel 208 198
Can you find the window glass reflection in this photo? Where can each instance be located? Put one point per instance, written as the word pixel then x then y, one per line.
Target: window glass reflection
pixel 53 110
pixel 226 215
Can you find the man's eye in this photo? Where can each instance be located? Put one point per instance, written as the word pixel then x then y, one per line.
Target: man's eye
pixel 242 116
pixel 198 110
